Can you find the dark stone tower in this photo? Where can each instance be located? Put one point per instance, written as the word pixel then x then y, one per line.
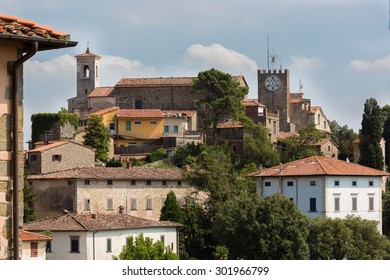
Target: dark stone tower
pixel 274 93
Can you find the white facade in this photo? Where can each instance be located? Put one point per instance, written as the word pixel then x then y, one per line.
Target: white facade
pixel 329 196
pixel 96 245
pixel 27 254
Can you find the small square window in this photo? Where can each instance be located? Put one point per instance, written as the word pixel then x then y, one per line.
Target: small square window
pixel 57 157
pixel 109 182
pixel 371 183
pixel 166 129
pixel 112 126
pixel 137 122
pixel 290 183
pixel 33 157
pixel 267 184
pixel 152 122
pixel 164 182
pixel 337 183
pixel 74 244
pixel 176 129
pixel 313 183
pixel 354 183
pixel 133 182
pixel 148 182
pixel 87 182
pixel 179 183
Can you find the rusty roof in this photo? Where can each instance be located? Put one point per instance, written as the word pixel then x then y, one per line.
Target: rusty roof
pixel 32 236
pixel 94 222
pixel 230 124
pixel 320 166
pixel 101 92
pixel 252 103
pixel 114 173
pixel 140 113
pixel 23 30
pixel 54 145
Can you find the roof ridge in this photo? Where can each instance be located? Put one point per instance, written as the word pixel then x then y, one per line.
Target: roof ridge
pixel 74 218
pixel 321 165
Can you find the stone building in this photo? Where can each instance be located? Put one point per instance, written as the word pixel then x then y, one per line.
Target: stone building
pixel 20 40
pixel 58 156
pixel 138 191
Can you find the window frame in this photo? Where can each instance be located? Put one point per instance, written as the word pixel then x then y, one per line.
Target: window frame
pixel 313 204
pixel 34 249
pixel 73 245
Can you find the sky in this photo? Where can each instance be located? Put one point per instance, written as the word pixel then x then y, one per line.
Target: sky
pixel 338 50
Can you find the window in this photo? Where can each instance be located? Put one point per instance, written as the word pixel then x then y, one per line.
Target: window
pixel 133 204
pixel 138 104
pixel 337 183
pixel 112 126
pixel 87 182
pixel 371 183
pixel 313 204
pixel 86 71
pixel 337 203
pixel 166 128
pixel 152 122
pixel 290 183
pixel 148 204
pixel 162 239
pixel 179 183
pixel 87 204
pixel 137 122
pixel 313 183
pixel 109 182
pixel 33 157
pixel 48 246
pixel 132 144
pixel 370 203
pixel 148 182
pixel 267 184
pixel 133 182
pixel 176 129
pixel 33 249
pixel 354 203
pixel 354 183
pixel 164 182
pixel 57 157
pixel 128 125
pixel 110 204
pixel 108 245
pixel 74 244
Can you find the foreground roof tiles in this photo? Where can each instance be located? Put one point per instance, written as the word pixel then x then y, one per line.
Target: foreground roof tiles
pixel 94 222
pixel 112 173
pixel 230 124
pixel 32 236
pixel 320 165
pixel 140 113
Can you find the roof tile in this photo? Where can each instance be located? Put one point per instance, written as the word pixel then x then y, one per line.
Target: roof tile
pixel 140 113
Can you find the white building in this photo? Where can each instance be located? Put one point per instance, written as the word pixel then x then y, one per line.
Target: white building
pixel 33 245
pixel 100 236
pixel 323 186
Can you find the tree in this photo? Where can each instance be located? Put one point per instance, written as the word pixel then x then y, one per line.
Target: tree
pixel 187 154
pixel 171 210
pixel 386 133
pixel 370 135
pixel 142 248
pixel 222 97
pixel 302 145
pixel 258 148
pixel 343 137
pixel 386 213
pixel 29 197
pixel 253 227
pixel 97 136
pixel 158 154
pixel 115 163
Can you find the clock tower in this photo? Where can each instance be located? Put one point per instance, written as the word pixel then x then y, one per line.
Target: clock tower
pixel 274 93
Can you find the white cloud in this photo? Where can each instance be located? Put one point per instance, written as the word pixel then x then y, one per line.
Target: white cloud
pixel 306 63
pixel 366 65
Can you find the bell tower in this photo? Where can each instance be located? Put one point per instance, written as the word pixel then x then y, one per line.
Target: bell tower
pixel 274 93
pixel 87 81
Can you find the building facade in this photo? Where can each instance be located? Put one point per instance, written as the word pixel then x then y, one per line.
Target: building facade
pixel 325 187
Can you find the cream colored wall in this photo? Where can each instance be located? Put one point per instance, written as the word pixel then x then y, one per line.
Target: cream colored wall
pixel 145 130
pixel 26 251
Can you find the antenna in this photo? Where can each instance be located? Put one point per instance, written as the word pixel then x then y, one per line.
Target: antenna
pixel 268 50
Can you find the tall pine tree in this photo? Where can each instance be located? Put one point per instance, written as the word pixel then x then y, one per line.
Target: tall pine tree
pixel 370 135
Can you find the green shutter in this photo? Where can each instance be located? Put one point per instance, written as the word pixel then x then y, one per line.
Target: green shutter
pixel 128 125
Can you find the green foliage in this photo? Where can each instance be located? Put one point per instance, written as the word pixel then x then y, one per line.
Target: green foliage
pixel 187 154
pixel 261 228
pixel 343 137
pixel 302 145
pixel 42 122
pixel 29 198
pixel 386 213
pixel 115 163
pixel 96 136
pixel 171 210
pixel 222 98
pixel 142 248
pixel 386 133
pixel 258 148
pixel 158 154
pixel 351 238
pixel 221 253
pixel 370 135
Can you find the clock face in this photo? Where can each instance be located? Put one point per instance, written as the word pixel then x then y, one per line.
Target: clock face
pixel 273 83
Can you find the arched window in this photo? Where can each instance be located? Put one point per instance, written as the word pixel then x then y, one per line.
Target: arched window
pixel 86 71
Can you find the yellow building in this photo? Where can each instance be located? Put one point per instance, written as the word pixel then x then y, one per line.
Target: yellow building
pixel 139 127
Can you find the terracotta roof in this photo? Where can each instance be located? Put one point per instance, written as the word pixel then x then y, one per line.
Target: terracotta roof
pixel 320 166
pixel 32 236
pixel 230 124
pixel 14 28
pixel 87 54
pixel 284 134
pixel 189 113
pixel 99 113
pixel 115 173
pixel 101 92
pixel 295 100
pixel 252 102
pixel 155 82
pixel 140 113
pixel 94 222
pixel 54 145
pixel 314 109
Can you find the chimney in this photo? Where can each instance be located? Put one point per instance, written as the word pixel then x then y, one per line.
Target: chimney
pixel 65 212
pixel 261 169
pixel 129 165
pixel 280 168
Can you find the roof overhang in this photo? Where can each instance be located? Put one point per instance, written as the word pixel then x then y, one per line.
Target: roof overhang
pixel 43 44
